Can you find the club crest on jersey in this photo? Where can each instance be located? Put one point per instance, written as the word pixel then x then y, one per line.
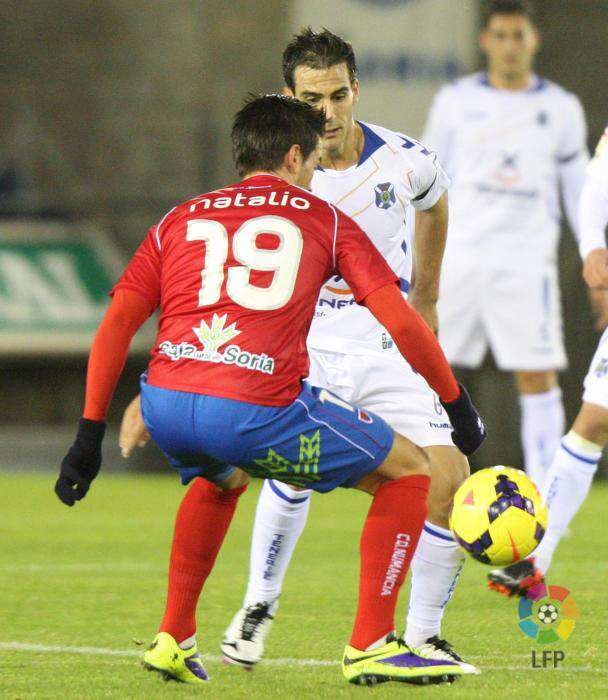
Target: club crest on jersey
pixel 601 369
pixel 212 337
pixel 385 195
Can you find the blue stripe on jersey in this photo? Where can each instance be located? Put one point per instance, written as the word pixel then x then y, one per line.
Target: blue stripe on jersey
pixel 404 285
pixel 280 494
pixel 539 84
pixel 372 142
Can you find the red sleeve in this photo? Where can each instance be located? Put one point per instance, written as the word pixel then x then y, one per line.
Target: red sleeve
pixel 414 338
pixel 126 313
pixel 358 260
pixel 142 274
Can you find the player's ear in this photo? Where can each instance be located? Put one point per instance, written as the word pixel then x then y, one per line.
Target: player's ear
pixel 293 158
pixel 288 92
pixel 354 86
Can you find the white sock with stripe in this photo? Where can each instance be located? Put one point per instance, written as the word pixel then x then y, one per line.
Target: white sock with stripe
pixel 279 520
pixel 542 425
pixel 566 487
pixel 435 570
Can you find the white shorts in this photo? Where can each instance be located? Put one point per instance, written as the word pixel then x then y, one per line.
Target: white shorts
pixel 388 386
pixel 596 381
pixel 515 311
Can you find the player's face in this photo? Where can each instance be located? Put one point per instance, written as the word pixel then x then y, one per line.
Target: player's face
pixel 510 43
pixel 307 167
pixel 330 89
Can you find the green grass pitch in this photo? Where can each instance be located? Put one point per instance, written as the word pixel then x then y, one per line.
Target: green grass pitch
pixel 93 578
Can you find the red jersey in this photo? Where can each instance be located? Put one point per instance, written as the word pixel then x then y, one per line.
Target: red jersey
pixel 237 273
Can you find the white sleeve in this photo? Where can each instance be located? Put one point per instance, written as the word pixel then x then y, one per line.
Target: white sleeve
pixel 437 134
pixel 429 180
pixel 572 159
pixel 593 203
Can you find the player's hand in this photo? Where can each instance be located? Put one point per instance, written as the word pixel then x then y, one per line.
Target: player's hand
pixel 82 462
pixel 133 431
pixel 599 308
pixel 469 429
pixel 427 308
pixel 595 269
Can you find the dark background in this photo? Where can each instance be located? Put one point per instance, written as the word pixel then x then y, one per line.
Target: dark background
pixel 114 110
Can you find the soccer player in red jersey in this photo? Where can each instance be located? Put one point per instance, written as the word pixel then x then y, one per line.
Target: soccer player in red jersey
pixel 236 274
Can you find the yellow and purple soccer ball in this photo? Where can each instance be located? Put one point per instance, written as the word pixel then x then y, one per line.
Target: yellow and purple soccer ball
pixel 498 515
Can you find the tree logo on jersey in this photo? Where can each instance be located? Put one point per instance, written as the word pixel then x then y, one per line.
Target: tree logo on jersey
pixel 385 195
pixel 274 466
pixel 212 338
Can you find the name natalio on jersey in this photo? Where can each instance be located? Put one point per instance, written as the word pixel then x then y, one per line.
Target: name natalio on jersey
pixel 274 199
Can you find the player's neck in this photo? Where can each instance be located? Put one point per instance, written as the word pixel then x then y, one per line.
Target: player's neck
pixel 349 154
pixel 279 172
pixel 508 81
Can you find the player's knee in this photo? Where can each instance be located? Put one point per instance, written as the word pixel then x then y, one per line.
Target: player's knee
pixel 236 480
pixel 536 382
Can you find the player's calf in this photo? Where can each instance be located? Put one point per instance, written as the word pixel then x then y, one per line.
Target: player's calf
pixel 449 469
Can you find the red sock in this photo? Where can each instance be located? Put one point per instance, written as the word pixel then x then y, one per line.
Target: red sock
pixel 388 542
pixel 202 521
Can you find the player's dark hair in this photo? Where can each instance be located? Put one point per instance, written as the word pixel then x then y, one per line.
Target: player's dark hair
pixel 266 128
pixel 507 7
pixel 317 50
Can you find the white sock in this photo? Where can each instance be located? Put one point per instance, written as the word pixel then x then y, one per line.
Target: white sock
pixel 435 570
pixel 188 643
pixel 566 487
pixel 380 642
pixel 542 425
pixel 279 520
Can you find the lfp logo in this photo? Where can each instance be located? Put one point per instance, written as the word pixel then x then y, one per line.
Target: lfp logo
pixel 548 614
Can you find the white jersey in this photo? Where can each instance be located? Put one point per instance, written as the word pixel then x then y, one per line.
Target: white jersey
pixel 505 152
pixel 593 204
pixel 393 172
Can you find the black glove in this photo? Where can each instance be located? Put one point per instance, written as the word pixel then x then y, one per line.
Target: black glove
pixel 469 429
pixel 81 464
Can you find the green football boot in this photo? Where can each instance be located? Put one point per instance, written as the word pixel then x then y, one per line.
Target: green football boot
pixel 167 658
pixel 395 661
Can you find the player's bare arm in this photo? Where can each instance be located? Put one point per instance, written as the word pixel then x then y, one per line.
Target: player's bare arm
pixel 595 269
pixel 133 431
pixel 431 234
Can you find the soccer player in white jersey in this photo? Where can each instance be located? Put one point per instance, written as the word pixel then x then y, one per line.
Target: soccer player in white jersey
pixel 575 462
pixel 373 175
pixel 509 141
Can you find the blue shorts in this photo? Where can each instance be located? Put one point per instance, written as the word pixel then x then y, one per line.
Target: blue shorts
pixel 318 441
